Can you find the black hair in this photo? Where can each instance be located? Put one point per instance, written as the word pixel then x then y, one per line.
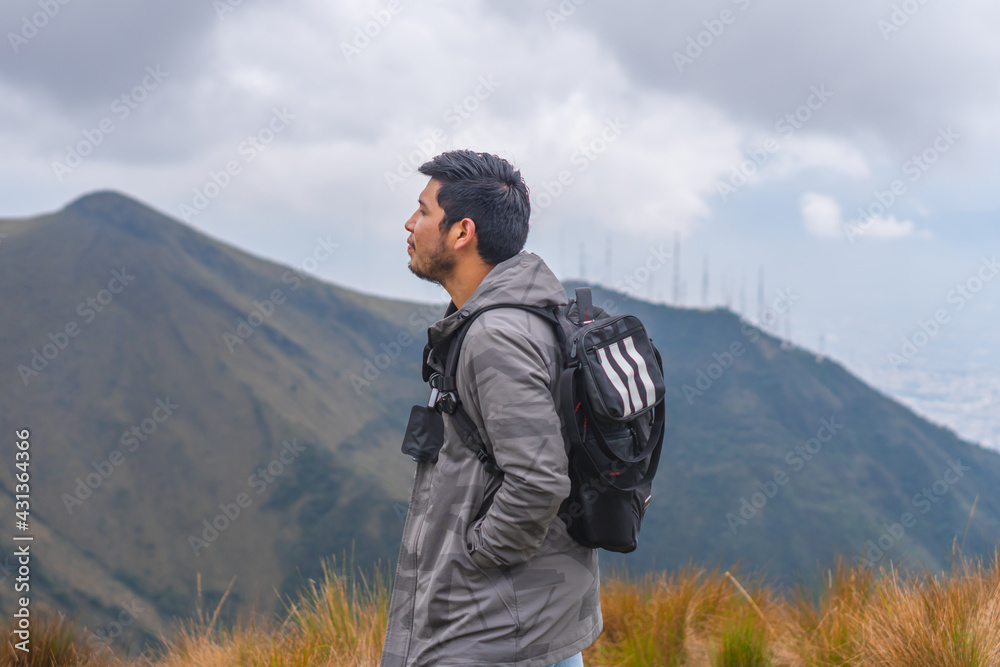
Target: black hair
pixel 487 189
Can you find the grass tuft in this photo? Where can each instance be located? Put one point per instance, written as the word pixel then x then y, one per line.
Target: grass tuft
pixel 54 641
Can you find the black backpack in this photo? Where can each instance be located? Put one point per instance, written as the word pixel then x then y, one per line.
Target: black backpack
pixel 611 408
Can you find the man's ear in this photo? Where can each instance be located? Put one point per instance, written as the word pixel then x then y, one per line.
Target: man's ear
pixel 464 232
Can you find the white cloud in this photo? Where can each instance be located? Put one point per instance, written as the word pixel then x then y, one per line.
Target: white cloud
pixel 821 217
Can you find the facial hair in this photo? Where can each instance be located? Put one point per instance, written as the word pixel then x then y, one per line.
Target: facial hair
pixel 435 266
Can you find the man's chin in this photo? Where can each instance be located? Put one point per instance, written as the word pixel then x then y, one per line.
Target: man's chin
pixel 422 276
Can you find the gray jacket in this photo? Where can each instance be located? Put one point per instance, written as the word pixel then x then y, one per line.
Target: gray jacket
pixel 487 574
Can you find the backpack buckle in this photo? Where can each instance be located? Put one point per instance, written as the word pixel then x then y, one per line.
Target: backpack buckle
pixel 488 463
pixel 447 403
pixel 443 397
pixel 441 382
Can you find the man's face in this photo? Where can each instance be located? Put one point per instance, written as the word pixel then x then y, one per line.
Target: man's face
pixel 430 258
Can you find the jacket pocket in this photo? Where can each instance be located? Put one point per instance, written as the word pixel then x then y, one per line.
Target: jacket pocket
pixel 500 586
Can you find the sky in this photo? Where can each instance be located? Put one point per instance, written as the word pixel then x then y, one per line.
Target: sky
pixel 845 151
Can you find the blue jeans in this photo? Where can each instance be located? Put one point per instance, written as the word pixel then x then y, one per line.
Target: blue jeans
pixel 572 661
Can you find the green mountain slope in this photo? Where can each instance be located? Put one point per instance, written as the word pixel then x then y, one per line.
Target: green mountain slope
pixel 162 340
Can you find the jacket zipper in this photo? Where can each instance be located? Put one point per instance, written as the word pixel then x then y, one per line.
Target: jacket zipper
pixel 417 480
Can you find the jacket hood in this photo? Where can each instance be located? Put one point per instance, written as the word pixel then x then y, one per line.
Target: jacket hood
pixel 523 278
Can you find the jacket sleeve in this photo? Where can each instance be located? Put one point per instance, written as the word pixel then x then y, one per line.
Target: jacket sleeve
pixel 507 378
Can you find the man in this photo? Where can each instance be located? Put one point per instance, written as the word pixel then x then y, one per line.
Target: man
pixel 487 574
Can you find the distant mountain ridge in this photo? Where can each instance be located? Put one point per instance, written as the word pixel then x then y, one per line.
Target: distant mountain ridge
pixel 272 457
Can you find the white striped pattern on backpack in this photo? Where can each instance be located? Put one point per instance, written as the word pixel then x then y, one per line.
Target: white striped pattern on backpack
pixel 622 375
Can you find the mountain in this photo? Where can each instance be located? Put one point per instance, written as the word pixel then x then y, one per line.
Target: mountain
pixel 172 369
pixel 194 409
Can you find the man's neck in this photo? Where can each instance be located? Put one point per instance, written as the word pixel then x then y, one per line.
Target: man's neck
pixel 464 281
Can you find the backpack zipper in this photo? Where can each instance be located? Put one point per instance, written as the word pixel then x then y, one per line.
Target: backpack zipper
pixel 583 333
pixel 628 332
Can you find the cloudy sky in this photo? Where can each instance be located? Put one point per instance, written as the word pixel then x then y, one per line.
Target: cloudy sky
pixel 847 148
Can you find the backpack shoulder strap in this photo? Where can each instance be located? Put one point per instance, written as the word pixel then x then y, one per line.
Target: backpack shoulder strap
pixel 454 348
pixel 446 396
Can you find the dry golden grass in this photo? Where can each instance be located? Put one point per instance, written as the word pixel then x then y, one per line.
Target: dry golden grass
pixel 54 640
pixel 340 623
pixel 949 621
pixel 691 617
